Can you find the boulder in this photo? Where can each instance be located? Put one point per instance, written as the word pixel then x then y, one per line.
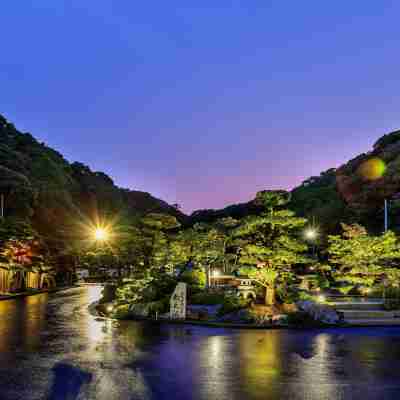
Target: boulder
pixel 319 312
pixel 104 309
pixel 280 319
pixel 263 319
pixel 242 316
pixel 202 312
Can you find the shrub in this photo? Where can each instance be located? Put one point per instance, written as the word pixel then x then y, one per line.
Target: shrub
pixel 146 289
pixel 391 304
pixel 392 293
pixel 159 306
pixel 163 285
pixel 207 298
pixel 323 282
pixel 301 319
pixel 345 289
pixel 196 278
pixel 288 295
pixel 121 311
pixel 388 293
pixel 305 296
pixel 231 304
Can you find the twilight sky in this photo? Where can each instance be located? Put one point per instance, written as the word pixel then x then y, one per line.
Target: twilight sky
pixel 202 102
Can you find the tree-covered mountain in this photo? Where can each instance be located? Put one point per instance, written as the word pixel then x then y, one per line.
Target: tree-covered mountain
pixel 40 186
pixel 353 193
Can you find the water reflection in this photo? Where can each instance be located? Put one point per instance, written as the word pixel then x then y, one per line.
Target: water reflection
pixel 319 369
pixel 260 361
pixel 44 338
pixel 214 368
pixel 21 321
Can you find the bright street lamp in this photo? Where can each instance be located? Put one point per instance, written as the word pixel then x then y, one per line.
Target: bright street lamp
pixel 321 298
pixel 311 233
pixel 100 234
pixel 216 273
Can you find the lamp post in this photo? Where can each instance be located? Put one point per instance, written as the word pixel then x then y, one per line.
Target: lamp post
pixel 100 235
pixel 386 203
pixel 311 235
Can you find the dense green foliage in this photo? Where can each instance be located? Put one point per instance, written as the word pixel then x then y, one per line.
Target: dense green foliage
pixel 269 243
pixel 387 139
pixel 361 259
pixel 52 208
pixel 317 198
pixel 60 201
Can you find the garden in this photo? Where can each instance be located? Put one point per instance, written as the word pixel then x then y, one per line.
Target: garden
pixel 292 270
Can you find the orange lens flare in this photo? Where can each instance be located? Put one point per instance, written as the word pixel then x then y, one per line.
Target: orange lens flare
pixel 372 169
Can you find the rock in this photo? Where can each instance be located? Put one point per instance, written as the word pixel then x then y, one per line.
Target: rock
pixel 280 319
pixel 103 309
pixel 355 291
pixel 288 308
pixel 263 319
pixel 178 301
pixel 202 312
pixel 319 312
pixel 242 316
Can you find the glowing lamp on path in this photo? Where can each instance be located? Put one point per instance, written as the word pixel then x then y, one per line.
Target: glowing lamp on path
pixel 110 308
pixel 321 298
pixel 311 234
pixel 216 273
pixel 100 234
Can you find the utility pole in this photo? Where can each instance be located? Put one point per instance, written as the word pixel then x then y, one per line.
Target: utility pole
pixel 2 205
pixel 386 216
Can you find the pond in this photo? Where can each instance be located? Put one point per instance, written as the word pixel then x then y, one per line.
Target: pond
pixel 52 348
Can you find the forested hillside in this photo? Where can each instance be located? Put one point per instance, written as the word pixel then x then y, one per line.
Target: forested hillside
pixel 43 189
pixel 354 192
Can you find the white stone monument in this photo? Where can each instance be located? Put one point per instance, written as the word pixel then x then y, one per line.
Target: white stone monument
pixel 178 302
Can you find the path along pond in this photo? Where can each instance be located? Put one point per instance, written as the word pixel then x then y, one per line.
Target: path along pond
pixel 52 348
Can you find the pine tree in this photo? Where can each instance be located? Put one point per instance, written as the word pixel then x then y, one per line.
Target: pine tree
pixel 362 259
pixel 268 244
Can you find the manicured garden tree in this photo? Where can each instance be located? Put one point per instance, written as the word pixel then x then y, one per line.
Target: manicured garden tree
pixel 155 228
pixel 225 227
pixel 181 249
pixel 143 244
pixel 269 243
pixel 204 244
pixel 150 279
pixel 208 248
pixel 361 259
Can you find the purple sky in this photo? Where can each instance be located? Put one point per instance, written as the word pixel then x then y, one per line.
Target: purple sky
pixel 202 105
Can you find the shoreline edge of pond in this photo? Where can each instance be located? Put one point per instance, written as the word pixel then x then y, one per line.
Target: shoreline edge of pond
pixel 215 324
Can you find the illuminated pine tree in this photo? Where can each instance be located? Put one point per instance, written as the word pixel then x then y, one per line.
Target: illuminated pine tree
pixel 362 259
pixel 269 246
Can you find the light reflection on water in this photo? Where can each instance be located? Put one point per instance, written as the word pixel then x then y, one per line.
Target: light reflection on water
pixel 130 360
